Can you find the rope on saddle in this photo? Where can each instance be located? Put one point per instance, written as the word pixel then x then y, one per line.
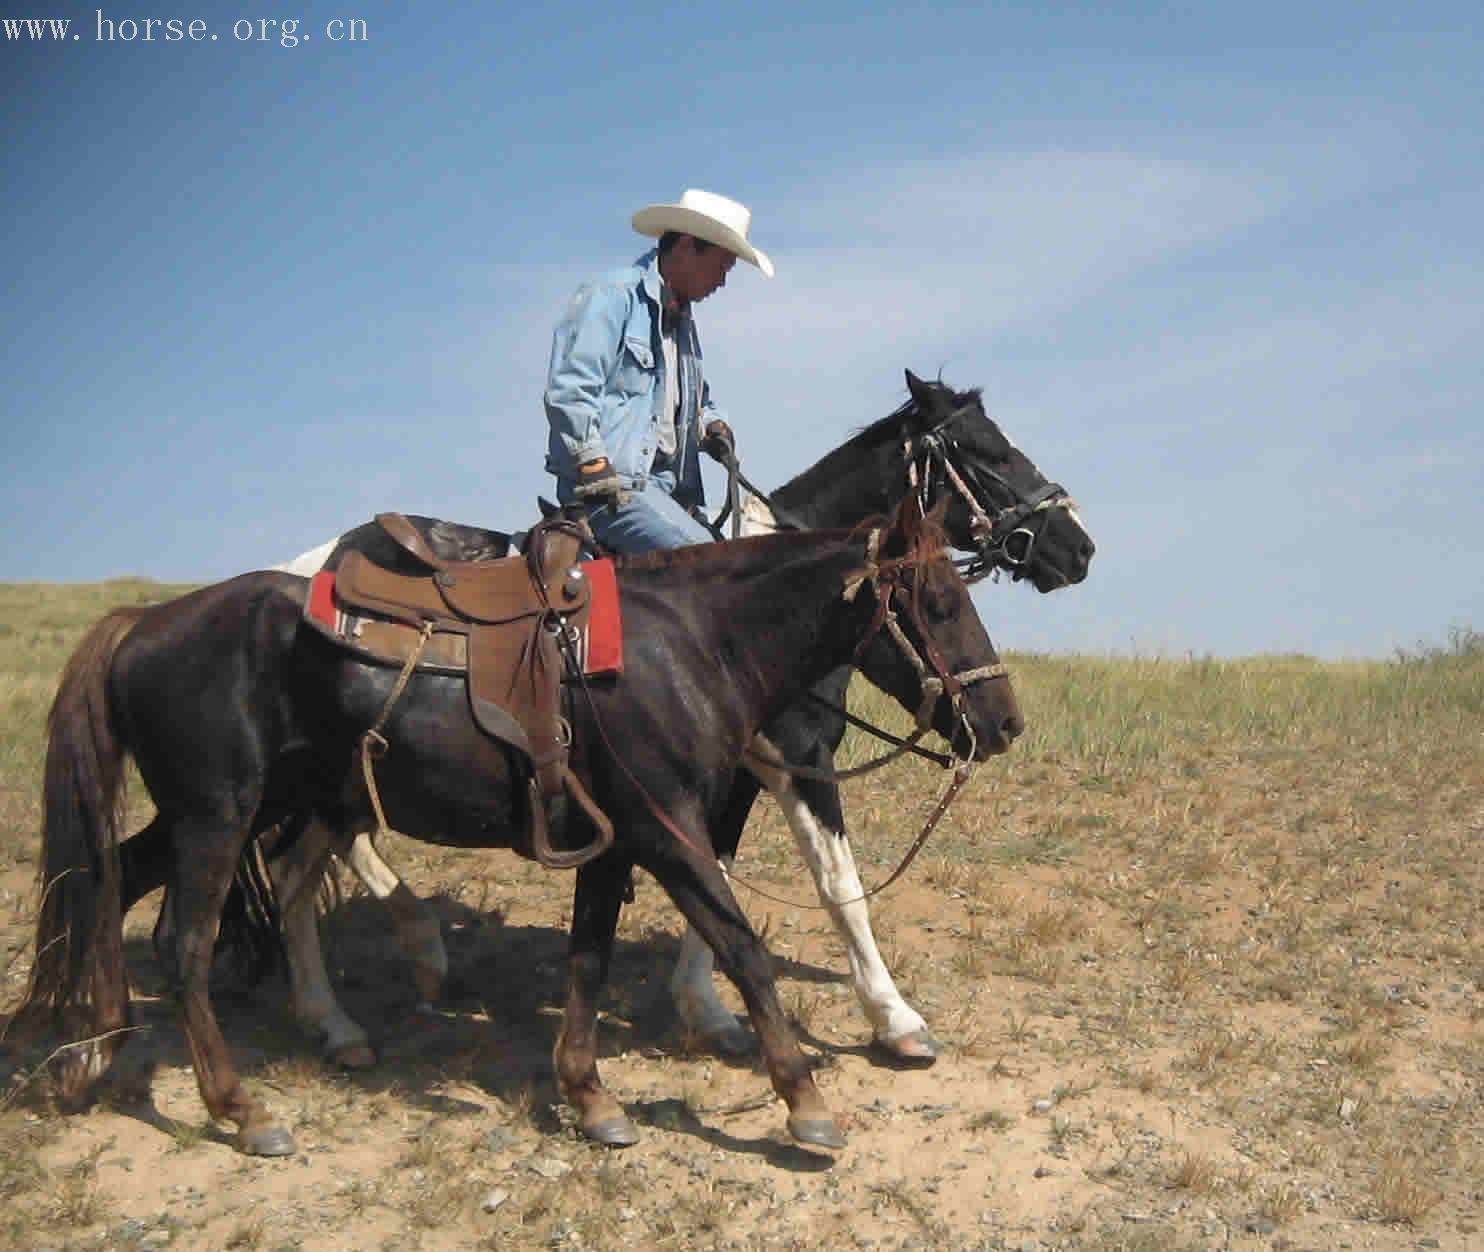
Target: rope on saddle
pixel 374 745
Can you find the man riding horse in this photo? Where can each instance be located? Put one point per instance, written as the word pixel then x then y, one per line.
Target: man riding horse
pixel 625 392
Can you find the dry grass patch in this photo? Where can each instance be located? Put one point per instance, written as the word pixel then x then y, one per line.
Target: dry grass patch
pixel 1281 1202
pixel 1197 1172
pixel 1242 896
pixel 1401 1193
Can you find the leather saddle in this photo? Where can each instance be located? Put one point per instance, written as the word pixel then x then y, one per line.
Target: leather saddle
pixel 501 622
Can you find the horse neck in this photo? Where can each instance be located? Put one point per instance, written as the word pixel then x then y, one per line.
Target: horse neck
pixel 770 610
pixel 865 477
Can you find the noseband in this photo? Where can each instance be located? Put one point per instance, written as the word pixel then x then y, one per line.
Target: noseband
pixel 934 675
pixel 1006 538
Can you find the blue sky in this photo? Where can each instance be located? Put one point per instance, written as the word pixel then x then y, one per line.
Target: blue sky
pixel 1217 268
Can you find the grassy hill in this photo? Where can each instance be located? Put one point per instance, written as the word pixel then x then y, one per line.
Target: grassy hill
pixel 1207 948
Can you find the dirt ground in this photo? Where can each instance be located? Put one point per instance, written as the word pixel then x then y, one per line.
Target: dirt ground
pixel 1203 1054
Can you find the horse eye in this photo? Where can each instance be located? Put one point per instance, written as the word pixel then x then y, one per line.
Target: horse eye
pixel 942 603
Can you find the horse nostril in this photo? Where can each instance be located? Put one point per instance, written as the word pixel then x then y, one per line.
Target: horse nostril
pixel 1012 727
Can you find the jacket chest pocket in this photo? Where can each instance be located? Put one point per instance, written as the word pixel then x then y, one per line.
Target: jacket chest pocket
pixel 635 373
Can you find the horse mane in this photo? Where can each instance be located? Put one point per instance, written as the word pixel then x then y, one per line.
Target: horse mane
pixel 926 535
pixel 889 427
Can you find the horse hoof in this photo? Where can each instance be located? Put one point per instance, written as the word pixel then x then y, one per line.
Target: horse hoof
pixel 733 1042
pixel 266 1141
pixel 353 1056
pixel 613 1132
pixel 817 1132
pixel 918 1049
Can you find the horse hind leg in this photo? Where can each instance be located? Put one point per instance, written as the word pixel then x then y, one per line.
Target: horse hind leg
pixel 205 861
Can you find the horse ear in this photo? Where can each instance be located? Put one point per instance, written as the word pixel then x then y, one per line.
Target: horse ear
pixel 929 400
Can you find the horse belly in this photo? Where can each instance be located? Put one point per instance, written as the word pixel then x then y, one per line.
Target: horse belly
pixel 444 781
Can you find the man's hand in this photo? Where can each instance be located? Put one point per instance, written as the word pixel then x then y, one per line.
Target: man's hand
pixel 598 483
pixel 717 442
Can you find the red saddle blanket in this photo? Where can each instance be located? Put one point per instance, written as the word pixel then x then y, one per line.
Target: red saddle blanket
pixel 600 643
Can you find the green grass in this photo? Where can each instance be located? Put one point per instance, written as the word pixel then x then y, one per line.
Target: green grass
pixel 1121 715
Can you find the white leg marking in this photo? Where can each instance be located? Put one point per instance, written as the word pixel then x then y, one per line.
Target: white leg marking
pixel 832 863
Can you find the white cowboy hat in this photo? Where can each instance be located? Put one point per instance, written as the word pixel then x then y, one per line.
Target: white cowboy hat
pixel 706 216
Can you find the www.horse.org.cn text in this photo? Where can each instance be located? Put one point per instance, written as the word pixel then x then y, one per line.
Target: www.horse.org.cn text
pixel 286 32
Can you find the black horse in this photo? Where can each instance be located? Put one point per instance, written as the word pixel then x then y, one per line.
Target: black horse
pixel 240 717
pixel 939 446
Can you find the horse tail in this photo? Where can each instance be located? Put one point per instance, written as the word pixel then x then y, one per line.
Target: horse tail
pixel 77 979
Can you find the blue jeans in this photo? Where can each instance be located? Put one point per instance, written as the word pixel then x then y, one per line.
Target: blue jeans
pixel 648 520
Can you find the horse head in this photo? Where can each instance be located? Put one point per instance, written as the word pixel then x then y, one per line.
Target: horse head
pixel 1000 506
pixel 925 644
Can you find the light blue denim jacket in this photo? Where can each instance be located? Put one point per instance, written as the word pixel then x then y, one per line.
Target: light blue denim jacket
pixel 605 387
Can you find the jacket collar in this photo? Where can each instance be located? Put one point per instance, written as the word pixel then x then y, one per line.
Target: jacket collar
pixel 651 284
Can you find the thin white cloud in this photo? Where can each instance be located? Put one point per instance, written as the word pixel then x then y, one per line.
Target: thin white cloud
pixel 1231 468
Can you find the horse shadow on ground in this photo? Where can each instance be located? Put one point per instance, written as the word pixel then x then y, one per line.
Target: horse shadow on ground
pixel 493 1027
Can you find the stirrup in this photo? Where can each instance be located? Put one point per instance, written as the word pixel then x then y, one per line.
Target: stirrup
pixel 541 847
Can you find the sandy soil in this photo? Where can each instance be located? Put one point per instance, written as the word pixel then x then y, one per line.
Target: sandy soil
pixel 1090 1096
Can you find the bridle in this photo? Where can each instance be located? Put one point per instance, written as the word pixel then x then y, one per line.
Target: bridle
pixel 934 674
pixel 935 677
pixel 1004 538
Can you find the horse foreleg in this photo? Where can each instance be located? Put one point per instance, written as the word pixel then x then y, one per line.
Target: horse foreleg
pixel 204 864
pixel 597 899
pixel 700 890
pixel 418 931
pixel 296 878
pixel 813 812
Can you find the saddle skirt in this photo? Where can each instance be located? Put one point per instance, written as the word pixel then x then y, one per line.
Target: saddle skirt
pixel 596 634
pixel 501 623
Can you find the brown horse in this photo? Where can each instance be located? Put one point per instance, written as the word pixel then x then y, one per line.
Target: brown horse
pixel 240 717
